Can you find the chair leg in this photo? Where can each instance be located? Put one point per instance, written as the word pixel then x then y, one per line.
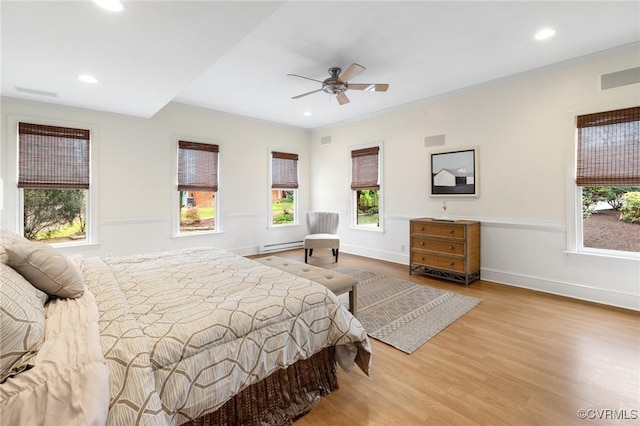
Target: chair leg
pixel 310 252
pixel 336 252
pixel 306 252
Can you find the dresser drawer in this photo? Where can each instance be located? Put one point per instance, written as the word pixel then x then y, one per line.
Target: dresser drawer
pixel 448 230
pixel 442 246
pixel 438 262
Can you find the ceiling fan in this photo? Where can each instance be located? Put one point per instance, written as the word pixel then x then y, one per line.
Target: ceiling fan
pixel 338 83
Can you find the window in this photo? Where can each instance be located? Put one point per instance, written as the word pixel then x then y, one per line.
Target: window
pixel 54 182
pixel 608 179
pixel 284 188
pixel 197 186
pixel 365 184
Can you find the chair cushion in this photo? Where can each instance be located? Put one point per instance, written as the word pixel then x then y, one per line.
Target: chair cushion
pixel 313 241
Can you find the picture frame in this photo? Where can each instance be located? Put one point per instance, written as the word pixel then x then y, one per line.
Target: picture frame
pixel 454 173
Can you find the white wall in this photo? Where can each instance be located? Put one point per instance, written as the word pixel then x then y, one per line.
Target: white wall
pixel 524 128
pixel 136 180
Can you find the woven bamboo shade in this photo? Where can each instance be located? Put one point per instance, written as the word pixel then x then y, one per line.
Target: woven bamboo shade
pixel 364 168
pixel 53 157
pixel 284 170
pixel 197 166
pixel 609 148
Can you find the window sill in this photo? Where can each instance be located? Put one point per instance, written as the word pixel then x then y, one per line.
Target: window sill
pixel 83 244
pixel 611 254
pixel 367 228
pixel 196 234
pixel 284 225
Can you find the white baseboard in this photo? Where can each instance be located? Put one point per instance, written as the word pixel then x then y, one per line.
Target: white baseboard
pixel 389 256
pixel 567 289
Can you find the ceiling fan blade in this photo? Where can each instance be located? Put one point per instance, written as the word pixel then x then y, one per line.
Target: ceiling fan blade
pixel 308 93
pixel 369 87
pixel 349 73
pixel 342 98
pixel 301 76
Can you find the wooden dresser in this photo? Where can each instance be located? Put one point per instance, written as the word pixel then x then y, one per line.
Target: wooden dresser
pixel 448 249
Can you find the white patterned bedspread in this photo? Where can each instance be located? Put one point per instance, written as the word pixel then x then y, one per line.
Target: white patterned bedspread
pixel 69 384
pixel 184 331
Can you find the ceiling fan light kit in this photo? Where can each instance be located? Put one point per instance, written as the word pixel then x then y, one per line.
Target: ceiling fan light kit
pixel 338 83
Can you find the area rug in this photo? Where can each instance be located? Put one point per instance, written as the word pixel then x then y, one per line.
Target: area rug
pixel 403 314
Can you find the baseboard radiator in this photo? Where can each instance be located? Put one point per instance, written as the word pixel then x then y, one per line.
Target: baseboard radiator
pixel 269 248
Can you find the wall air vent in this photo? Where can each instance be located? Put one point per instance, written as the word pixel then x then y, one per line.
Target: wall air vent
pixel 620 78
pixel 435 140
pixel 36 92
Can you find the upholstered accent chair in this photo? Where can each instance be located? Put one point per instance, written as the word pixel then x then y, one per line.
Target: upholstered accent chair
pixel 322 228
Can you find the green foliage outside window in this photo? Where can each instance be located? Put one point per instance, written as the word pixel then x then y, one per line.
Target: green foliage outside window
pixel 612 195
pixel 630 211
pixel 48 213
pixel 368 207
pixel 283 209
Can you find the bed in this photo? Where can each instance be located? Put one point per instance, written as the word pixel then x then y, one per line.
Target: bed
pixel 194 336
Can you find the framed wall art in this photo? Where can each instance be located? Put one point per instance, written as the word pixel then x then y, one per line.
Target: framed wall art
pixel 454 173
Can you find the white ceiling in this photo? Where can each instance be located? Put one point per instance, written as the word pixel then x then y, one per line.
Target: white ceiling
pixel 234 56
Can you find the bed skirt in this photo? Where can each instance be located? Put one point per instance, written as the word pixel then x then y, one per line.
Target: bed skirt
pixel 280 398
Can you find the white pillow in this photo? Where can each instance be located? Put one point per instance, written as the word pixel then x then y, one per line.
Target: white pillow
pixel 46 269
pixel 21 321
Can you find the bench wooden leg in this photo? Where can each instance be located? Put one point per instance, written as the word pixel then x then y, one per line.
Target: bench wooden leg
pixel 353 298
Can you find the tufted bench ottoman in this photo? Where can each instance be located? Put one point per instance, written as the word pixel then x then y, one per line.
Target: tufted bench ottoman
pixel 337 283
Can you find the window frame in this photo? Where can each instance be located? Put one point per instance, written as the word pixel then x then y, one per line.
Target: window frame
pixel 354 192
pixel 218 228
pixel 296 192
pixel 575 220
pixel 14 196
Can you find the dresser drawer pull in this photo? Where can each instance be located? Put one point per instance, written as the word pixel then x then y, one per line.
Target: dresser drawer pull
pixel 450 247
pixel 451 231
pixel 422 228
pixel 451 263
pixel 421 243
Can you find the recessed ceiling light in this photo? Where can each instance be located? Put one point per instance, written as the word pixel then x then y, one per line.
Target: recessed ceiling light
pixel 87 78
pixel 545 33
pixel 307 113
pixel 110 5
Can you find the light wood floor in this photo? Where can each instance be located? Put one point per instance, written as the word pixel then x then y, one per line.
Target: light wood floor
pixel 518 358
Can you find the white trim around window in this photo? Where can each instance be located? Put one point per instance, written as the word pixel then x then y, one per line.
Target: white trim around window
pixel 296 191
pixel 175 204
pixel 13 196
pixel 353 211
pixel 574 236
